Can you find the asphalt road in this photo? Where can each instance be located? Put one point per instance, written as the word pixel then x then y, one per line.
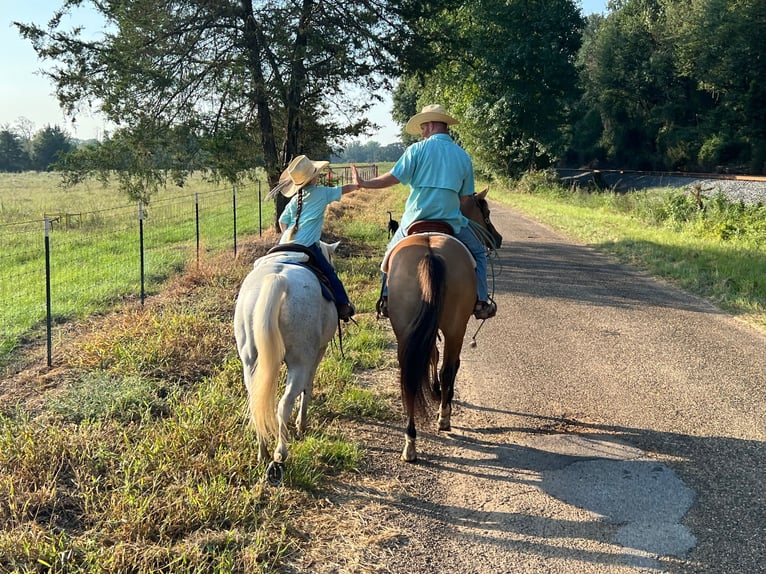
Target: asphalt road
pixel 605 423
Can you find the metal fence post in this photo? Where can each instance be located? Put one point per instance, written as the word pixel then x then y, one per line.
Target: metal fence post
pixel 260 211
pixel 234 214
pixel 48 314
pixel 196 222
pixel 141 248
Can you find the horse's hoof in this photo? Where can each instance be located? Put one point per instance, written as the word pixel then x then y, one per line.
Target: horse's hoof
pixel 444 426
pixel 275 473
pixel 409 454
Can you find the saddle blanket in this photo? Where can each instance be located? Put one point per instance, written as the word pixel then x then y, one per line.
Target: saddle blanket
pixel 384 263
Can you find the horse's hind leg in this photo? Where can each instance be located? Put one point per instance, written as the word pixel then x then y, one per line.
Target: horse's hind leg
pixel 308 391
pixel 295 385
pixel 409 454
pixel 447 375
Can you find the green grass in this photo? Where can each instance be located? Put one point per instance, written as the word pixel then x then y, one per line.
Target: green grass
pixel 95 254
pixel 141 459
pixel 718 253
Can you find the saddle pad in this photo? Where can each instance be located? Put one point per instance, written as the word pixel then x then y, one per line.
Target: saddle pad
pixel 282 257
pixel 384 263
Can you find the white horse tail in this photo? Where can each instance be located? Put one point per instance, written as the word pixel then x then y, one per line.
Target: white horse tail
pixel 271 353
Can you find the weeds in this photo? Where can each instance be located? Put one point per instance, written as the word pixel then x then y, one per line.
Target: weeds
pixel 143 461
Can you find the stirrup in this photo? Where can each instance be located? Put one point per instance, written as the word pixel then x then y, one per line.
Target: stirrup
pixel 381 306
pixel 346 311
pixel 485 309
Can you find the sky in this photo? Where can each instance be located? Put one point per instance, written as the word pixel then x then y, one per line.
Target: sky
pixel 25 93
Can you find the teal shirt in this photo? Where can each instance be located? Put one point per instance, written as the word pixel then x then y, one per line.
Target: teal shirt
pixel 438 172
pixel 315 200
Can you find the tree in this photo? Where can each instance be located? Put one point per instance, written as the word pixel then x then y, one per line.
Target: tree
pixel 49 147
pixel 720 48
pixel 276 74
pixel 506 69
pixel 12 155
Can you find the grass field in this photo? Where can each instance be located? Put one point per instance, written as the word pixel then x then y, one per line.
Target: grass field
pixel 94 244
pixel 133 453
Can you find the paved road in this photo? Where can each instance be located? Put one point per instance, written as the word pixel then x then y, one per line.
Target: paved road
pixel 605 423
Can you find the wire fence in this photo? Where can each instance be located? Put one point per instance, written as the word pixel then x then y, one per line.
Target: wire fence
pixel 73 264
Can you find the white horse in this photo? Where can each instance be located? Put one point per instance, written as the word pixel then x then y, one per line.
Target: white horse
pixel 281 316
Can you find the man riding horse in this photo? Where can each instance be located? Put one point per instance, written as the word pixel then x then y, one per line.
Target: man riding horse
pixel 439 173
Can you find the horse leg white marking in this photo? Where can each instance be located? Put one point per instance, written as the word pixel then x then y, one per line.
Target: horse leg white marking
pixel 445 412
pixel 409 454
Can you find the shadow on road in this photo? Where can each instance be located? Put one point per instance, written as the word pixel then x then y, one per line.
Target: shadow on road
pixel 728 518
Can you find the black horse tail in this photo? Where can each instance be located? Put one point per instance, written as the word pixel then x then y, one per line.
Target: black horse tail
pixel 415 353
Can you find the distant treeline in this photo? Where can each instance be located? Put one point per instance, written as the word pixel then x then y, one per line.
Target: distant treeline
pixel 651 85
pixel 21 150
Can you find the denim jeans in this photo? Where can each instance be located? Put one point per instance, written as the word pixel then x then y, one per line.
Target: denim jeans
pixel 341 297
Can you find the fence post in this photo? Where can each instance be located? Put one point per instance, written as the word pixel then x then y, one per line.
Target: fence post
pixel 234 214
pixel 260 211
pixel 141 248
pixel 48 314
pixel 196 222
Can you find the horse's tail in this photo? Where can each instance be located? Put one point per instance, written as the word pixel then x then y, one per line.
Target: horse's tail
pixel 271 353
pixel 415 353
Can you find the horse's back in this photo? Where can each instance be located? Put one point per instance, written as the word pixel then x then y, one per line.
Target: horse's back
pixel 404 290
pixel 305 317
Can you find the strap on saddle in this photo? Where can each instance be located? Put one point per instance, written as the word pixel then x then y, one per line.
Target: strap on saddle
pixel 430 226
pixel 295 248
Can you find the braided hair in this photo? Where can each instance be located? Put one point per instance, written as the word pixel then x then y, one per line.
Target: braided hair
pixel 294 228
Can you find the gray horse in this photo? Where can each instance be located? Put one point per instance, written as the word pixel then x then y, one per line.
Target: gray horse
pixel 281 316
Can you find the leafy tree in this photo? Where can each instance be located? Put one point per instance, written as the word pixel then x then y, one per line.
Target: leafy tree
pixel 506 68
pixel 721 49
pixel 272 76
pixel 12 155
pixel 50 146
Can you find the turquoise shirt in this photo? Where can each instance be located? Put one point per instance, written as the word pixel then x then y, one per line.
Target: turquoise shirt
pixel 315 200
pixel 438 171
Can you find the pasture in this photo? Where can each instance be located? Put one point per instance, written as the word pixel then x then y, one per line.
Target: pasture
pixel 133 452
pixel 99 251
pixel 145 461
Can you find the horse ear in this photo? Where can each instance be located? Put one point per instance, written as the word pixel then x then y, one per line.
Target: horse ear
pixel 331 247
pixel 483 193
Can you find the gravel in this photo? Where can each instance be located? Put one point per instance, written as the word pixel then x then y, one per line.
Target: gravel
pixel 747 191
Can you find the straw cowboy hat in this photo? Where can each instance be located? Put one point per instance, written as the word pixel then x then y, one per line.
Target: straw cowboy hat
pixel 430 113
pixel 298 174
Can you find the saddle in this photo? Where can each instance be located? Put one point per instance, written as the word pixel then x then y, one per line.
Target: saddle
pixel 430 226
pixel 311 264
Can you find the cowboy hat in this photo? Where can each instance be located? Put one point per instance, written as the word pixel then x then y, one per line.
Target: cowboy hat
pixel 298 174
pixel 430 113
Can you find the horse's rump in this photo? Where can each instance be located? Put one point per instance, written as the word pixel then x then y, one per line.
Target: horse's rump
pixel 428 274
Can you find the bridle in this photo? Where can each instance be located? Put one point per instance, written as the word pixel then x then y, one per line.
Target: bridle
pixel 483 232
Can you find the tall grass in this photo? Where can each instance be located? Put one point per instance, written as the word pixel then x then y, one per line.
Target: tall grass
pixel 140 458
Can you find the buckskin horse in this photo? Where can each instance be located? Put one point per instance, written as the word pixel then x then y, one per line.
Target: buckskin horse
pixel 432 290
pixel 281 316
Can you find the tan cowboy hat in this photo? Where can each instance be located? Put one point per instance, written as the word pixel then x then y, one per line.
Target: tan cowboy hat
pixel 297 175
pixel 430 113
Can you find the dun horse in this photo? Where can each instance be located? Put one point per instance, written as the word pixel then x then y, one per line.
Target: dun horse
pixel 432 289
pixel 281 316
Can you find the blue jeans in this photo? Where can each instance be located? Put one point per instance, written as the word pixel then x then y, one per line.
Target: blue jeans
pixel 476 247
pixel 338 291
